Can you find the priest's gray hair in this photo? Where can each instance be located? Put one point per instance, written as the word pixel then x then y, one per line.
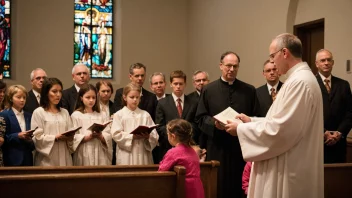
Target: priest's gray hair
pixel 291 42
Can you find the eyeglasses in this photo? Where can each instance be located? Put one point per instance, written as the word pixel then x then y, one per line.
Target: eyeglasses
pixel 229 66
pixel 40 77
pixel 272 56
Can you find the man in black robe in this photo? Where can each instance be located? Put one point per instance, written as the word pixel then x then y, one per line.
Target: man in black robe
pixel 225 92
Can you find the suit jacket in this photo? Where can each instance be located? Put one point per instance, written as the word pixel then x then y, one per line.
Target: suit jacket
pixel 148 101
pixel 16 152
pixel 68 100
pixel 167 111
pixel 337 116
pixel 194 95
pixel 31 102
pixel 112 108
pixel 265 99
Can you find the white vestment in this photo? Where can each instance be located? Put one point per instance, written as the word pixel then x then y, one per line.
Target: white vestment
pixel 51 152
pixel 131 151
pixel 93 152
pixel 287 145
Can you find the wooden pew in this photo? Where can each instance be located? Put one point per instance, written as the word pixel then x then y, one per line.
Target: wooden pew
pixel 337 180
pixel 208 172
pixel 108 184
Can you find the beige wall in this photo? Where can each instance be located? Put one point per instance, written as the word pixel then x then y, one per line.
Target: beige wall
pixel 153 32
pixel 338 29
pixel 175 34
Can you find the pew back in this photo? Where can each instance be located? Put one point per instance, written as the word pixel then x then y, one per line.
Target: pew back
pixel 337 178
pixel 208 172
pixel 109 184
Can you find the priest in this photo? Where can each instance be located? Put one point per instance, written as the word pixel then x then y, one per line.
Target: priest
pixel 286 146
pixel 218 95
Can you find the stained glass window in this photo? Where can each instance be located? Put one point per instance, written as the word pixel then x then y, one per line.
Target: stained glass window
pixel 93 36
pixel 5 68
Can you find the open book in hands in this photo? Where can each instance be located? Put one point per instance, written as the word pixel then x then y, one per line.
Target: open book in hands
pixel 30 132
pixel 99 127
pixel 71 132
pixel 143 129
pixel 227 114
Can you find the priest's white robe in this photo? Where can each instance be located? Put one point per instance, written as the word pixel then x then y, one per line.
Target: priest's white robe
pixel 287 145
pixel 131 151
pixel 51 152
pixel 93 152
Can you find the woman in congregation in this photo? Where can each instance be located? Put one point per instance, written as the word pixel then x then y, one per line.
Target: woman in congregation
pixel 133 149
pixel 16 123
pixel 53 148
pixel 91 147
pixel 107 107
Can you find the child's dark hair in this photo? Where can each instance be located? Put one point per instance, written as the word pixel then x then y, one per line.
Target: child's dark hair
pixel 182 130
pixel 44 95
pixel 127 89
pixel 79 102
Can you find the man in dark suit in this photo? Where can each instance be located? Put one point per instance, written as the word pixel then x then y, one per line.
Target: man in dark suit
pixel 148 100
pixel 200 79
pixel 267 93
pixel 158 85
pixel 80 75
pixel 176 105
pixel 337 101
pixel 33 100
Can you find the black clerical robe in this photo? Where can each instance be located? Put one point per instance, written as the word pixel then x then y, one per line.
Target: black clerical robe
pixel 221 146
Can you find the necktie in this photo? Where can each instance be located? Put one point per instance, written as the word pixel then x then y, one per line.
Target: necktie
pixel 328 88
pixel 273 93
pixel 179 107
pixel 38 98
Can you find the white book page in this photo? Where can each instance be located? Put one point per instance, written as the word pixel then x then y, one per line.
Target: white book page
pixel 227 114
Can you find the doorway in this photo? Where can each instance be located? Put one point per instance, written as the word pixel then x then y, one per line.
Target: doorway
pixel 311 35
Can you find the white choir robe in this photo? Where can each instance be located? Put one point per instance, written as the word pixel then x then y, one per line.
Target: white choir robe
pixel 131 151
pixel 48 151
pixel 93 152
pixel 287 145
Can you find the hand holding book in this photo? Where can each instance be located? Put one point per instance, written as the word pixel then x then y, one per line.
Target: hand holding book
pixel 143 129
pixel 71 132
pixel 99 127
pixel 228 114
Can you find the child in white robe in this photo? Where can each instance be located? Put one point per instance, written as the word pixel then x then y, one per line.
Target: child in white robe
pixel 53 148
pixel 133 149
pixel 91 147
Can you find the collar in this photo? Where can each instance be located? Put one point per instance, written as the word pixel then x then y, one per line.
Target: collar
pixel 17 112
pixel 182 97
pixel 77 88
pixel 198 92
pixel 158 98
pixel 229 82
pixel 36 94
pixel 275 86
pixel 323 77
